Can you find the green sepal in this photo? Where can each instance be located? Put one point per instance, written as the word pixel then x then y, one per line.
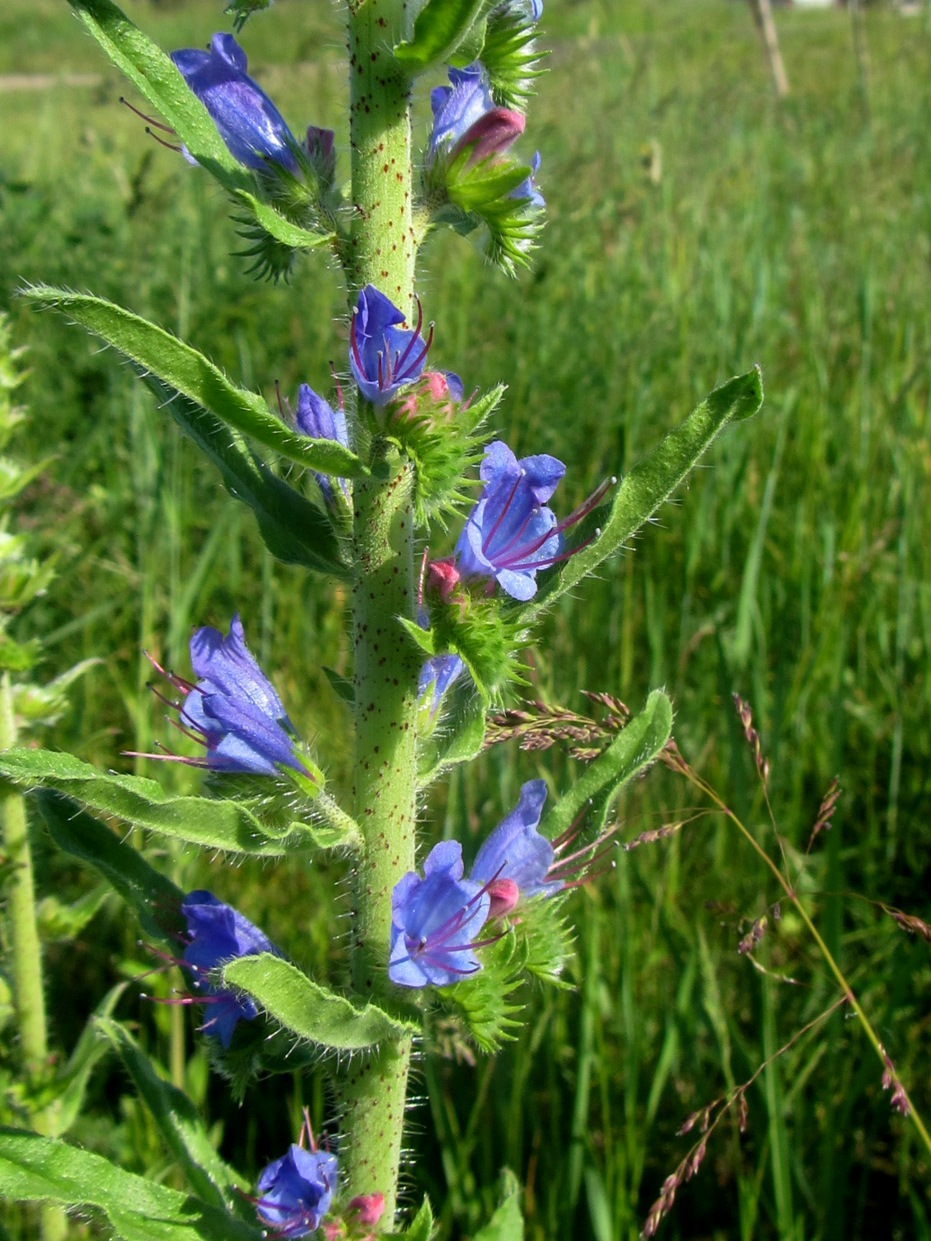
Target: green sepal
pixel 179 1124
pixel 242 10
pixel 145 890
pixel 507 1223
pixel 41 706
pixel 474 186
pixel 652 481
pixel 440 27
pixel 422 1227
pixel 485 637
pixel 293 529
pixel 543 937
pixel 310 1011
pixel 510 57
pixel 211 823
pixel 154 74
pixel 483 1000
pixel 635 747
pixel 441 440
pixel 38 1169
pixel 186 371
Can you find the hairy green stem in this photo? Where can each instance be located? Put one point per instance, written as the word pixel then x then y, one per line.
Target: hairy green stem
pixel 21 907
pixel 381 252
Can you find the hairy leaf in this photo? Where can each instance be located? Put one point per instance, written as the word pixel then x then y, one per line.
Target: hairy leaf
pixel 634 748
pixel 654 479
pixel 440 27
pixel 141 886
pixel 309 1010
pixel 38 1169
pixel 184 370
pixel 178 1122
pixel 293 529
pixel 210 823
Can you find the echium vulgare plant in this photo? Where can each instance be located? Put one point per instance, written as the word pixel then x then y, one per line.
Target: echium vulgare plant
pixel 452 541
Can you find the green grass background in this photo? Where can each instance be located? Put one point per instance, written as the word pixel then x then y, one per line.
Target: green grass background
pixel 695 227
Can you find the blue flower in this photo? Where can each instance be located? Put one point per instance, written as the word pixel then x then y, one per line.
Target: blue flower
pixel 437 675
pixel 247 120
pixel 384 356
pixel 296 1190
pixel 465 117
pixel 515 859
pixel 434 922
pixel 233 707
pixel 316 418
pixel 527 189
pixel 511 533
pixel 217 933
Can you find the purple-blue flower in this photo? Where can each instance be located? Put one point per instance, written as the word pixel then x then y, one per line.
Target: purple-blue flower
pixel 247 120
pixel 317 418
pixel 217 933
pixel 295 1191
pixel 234 708
pixel 527 188
pixel 437 675
pixel 515 859
pixel 465 116
pixel 383 355
pixel 511 533
pixel 435 921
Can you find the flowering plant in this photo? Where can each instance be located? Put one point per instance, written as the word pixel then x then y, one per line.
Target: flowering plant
pixel 394 461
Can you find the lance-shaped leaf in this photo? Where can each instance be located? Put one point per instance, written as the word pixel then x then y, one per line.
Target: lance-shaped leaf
pixel 634 748
pixel 309 1010
pixel 38 1169
pixel 208 822
pixel 72 1085
pixel 155 76
pixel 185 370
pixel 653 480
pixel 80 835
pixel 179 1123
pixel 507 1223
pixel 440 27
pixel 293 529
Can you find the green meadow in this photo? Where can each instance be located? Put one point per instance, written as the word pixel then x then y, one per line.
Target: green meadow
pixel 696 226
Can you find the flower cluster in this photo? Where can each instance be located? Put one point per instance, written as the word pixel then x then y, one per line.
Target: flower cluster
pixel 436 919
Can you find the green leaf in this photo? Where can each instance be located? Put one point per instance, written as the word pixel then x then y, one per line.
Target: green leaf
pixel 73 1083
pixel 61 921
pixel 422 1227
pixel 507 1223
pixel 440 27
pixel 79 834
pixel 210 823
pixel 654 479
pixel 37 1169
pixel 156 78
pixel 294 530
pixel 186 371
pixel 178 1122
pixel 309 1010
pixel 634 748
